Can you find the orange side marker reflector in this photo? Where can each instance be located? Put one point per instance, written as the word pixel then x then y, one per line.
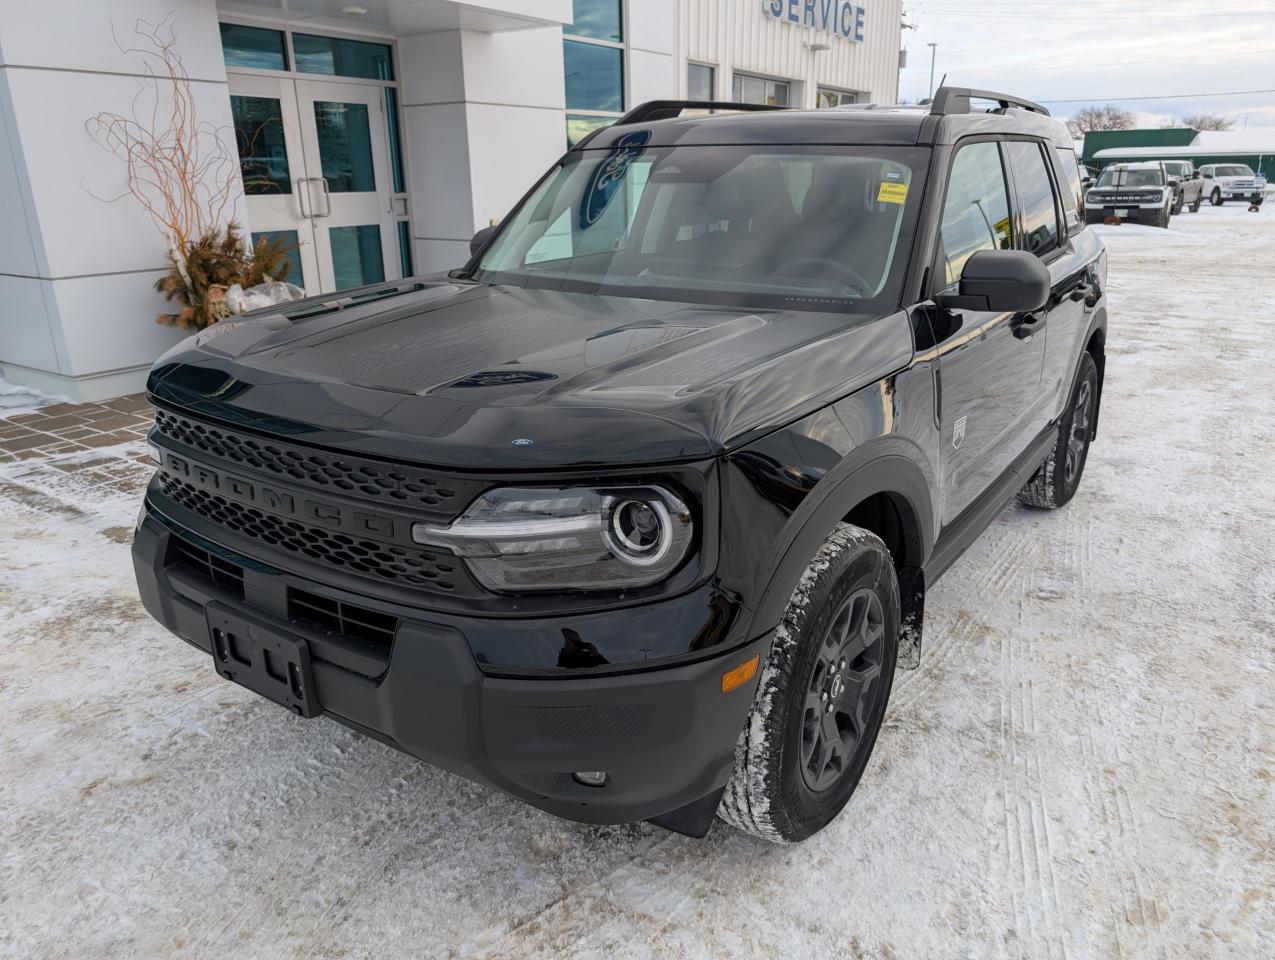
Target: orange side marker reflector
pixel 736 677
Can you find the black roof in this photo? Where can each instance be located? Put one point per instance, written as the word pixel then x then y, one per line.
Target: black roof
pixel 949 118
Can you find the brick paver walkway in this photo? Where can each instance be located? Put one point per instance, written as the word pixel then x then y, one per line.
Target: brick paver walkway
pixel 101 444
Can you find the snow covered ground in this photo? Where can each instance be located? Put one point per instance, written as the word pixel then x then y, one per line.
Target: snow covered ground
pixel 1083 767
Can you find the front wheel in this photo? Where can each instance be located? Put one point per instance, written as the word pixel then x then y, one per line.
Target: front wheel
pixel 1195 206
pixel 1216 198
pixel 822 694
pixel 1179 203
pixel 1057 479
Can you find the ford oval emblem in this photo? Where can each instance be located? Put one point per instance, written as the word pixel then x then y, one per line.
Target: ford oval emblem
pixel 522 442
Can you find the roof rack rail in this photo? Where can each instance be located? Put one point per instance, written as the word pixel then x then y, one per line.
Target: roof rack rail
pixel 668 109
pixel 949 100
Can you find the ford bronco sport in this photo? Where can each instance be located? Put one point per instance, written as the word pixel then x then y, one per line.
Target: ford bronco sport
pixel 1137 192
pixel 633 516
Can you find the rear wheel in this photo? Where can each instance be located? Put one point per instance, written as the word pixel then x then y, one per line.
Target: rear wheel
pixel 822 694
pixel 1058 478
pixel 1216 198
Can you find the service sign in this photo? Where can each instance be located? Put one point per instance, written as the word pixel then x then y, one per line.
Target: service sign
pixel 837 18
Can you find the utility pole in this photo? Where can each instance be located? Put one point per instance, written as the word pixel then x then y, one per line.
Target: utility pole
pixel 933 53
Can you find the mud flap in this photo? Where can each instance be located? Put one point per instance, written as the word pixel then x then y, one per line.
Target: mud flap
pixel 693 820
pixel 912 602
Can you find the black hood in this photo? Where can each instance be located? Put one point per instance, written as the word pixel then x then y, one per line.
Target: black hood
pixel 481 377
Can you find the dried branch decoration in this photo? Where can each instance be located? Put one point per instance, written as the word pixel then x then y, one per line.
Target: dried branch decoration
pixel 186 175
pixel 182 171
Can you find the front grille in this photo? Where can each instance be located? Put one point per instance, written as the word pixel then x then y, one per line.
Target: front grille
pixel 389 483
pixel 383 560
pixel 206 566
pixel 345 619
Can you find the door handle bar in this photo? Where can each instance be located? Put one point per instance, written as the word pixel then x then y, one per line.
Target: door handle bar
pixel 303 190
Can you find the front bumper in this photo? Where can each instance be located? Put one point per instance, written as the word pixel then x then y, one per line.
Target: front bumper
pixel 665 736
pixel 1251 194
pixel 1149 213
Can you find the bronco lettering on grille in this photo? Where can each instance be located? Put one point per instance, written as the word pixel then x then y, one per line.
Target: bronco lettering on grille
pixel 325 514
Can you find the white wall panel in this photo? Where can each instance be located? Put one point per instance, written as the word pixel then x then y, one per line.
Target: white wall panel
pixel 437 143
pixel 518 68
pixel 26 334
pixel 87 35
pixel 18 236
pixel 739 35
pixel 108 323
pixel 510 148
pixel 652 76
pixel 75 183
pixel 653 25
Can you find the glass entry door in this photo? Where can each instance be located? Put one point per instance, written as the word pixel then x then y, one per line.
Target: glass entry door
pixel 315 164
pixel 347 158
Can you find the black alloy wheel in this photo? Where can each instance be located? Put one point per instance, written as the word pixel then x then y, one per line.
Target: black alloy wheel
pixel 1081 430
pixel 843 690
pixel 1056 480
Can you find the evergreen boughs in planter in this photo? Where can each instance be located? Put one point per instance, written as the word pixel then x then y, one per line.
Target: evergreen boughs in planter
pixel 201 274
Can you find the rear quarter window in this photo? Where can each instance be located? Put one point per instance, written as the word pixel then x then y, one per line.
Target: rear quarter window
pixel 1068 168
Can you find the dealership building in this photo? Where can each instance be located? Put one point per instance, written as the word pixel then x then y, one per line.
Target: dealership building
pixel 377 135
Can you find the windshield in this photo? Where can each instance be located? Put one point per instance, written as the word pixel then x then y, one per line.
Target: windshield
pixel 810 228
pixel 1233 170
pixel 1125 177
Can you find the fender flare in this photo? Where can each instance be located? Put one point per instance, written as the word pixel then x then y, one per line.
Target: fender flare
pixel 888 465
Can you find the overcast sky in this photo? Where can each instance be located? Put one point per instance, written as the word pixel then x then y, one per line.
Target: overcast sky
pixel 1101 51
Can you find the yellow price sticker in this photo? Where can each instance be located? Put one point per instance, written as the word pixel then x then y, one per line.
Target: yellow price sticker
pixel 892 193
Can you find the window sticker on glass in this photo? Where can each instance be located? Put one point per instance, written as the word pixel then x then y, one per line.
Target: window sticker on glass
pixel 892 193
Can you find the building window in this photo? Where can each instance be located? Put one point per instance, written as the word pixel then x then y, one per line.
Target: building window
pixel 597 20
pixel 701 81
pixel 253 47
pixel 593 66
pixel 594 76
pixel 749 89
pixel 342 58
pixel 826 97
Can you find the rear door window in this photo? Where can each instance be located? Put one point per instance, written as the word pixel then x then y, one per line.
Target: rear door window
pixel 1037 203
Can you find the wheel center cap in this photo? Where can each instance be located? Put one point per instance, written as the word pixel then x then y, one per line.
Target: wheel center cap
pixel 838 686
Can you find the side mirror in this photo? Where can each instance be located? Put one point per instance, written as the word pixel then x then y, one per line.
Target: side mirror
pixel 1195 174
pixel 1000 281
pixel 480 238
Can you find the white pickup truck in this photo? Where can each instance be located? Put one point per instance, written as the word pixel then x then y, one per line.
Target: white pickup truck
pixel 1232 181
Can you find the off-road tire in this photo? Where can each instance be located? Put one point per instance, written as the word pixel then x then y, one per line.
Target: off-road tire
pixel 1055 482
pixel 1162 221
pixel 1195 206
pixel 1179 203
pixel 1215 197
pixel 769 794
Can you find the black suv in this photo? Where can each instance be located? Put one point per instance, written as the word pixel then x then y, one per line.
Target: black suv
pixel 633 516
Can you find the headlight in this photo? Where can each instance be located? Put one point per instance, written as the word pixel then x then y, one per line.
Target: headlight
pixel 1093 198
pixel 576 538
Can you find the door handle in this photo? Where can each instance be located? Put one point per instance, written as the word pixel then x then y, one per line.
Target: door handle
pixel 303 190
pixel 303 195
pixel 1030 325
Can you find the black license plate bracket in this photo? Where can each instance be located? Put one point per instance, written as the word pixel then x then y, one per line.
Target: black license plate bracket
pixel 271 663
